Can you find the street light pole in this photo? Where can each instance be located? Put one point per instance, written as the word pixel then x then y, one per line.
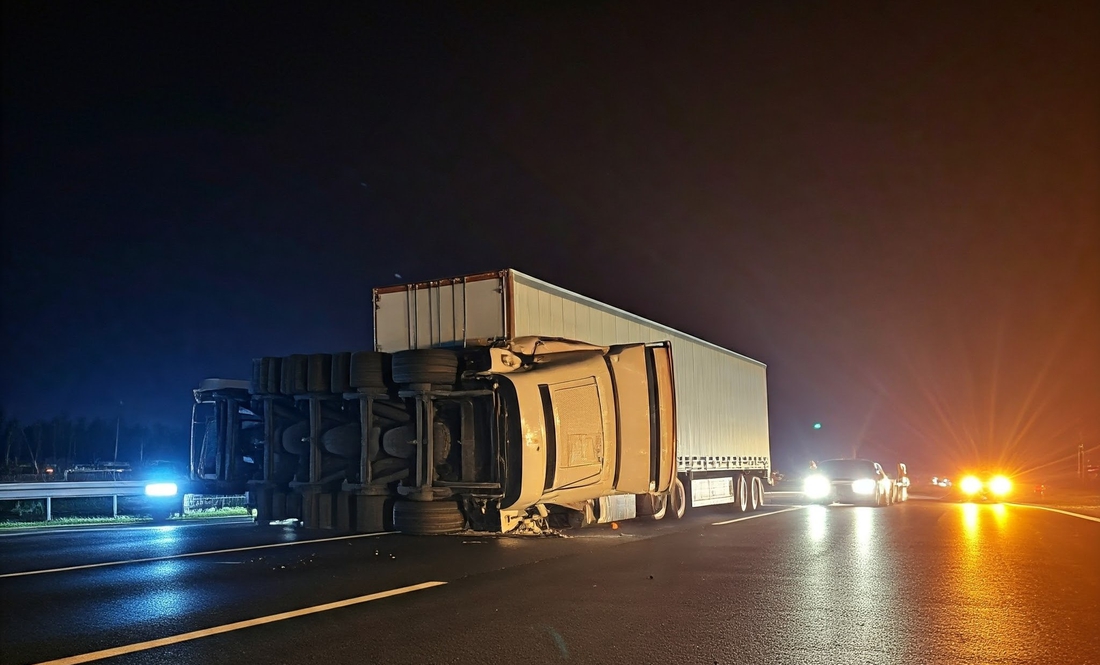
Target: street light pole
pixel 118 426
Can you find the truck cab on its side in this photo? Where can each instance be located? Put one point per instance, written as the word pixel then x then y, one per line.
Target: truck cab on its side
pixel 592 427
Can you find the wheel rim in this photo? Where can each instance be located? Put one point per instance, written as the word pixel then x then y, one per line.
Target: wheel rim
pixel 742 494
pixel 679 499
pixel 660 507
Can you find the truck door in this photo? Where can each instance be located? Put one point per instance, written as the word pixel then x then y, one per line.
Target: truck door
pixel 575 433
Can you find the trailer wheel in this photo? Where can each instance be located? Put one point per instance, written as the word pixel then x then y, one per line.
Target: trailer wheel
pixel 341 373
pixel 258 386
pixel 754 493
pixel 741 493
pixel 319 372
pixel 295 369
pixel 367 369
pixel 758 485
pixel 678 497
pixel 428 518
pixel 434 366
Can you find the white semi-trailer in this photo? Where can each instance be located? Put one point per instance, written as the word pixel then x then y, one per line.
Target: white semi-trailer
pixel 722 449
pixel 495 401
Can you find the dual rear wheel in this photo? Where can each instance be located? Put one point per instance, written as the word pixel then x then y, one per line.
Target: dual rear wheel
pixel 749 493
pixel 748 497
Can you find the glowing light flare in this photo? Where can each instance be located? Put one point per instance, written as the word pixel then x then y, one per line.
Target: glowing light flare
pixel 1000 485
pixel 970 485
pixel 817 487
pixel 864 486
pixel 161 489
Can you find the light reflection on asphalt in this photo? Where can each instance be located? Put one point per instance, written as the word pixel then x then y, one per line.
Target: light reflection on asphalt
pixel 848 597
pixel 980 612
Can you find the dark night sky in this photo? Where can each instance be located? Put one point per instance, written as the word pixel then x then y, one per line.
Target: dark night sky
pixel 894 205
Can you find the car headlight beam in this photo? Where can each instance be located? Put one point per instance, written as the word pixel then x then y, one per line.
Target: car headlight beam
pixel 817 487
pixel 161 489
pixel 1000 485
pixel 970 485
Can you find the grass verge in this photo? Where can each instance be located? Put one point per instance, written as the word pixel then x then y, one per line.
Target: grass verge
pixel 123 519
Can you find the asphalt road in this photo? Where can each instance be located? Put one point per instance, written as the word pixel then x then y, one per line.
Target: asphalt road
pixel 923 582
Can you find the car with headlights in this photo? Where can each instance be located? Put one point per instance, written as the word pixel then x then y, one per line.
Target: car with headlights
pixel 165 485
pixel 983 486
pixel 858 481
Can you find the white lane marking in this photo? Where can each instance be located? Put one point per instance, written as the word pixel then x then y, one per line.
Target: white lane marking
pixel 238 625
pixel 750 517
pixel 1055 510
pixel 189 554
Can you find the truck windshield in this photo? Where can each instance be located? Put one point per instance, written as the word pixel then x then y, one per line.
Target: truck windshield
pixel 846 469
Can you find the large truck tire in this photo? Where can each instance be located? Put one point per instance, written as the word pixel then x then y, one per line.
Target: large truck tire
pixel 294 374
pixel 368 369
pixel 428 518
pixel 319 373
pixel 754 493
pixel 273 375
pixel 434 366
pixel 677 499
pixel 758 484
pixel 267 375
pixel 740 493
pixel 341 373
pixel 258 384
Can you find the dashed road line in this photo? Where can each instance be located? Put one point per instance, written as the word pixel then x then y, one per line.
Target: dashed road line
pixel 1056 510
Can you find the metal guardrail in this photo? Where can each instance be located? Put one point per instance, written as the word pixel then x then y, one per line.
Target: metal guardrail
pixel 70 490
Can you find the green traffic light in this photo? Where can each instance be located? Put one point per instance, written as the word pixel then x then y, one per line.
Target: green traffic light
pixel 817 425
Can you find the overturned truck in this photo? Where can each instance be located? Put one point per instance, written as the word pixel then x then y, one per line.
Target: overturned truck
pixel 490 402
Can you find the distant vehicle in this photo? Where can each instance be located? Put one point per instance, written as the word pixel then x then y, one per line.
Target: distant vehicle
pixel 941 482
pixel 987 486
pixel 901 484
pixel 858 481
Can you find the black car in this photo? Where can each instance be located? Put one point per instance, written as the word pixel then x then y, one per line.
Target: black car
pixel 848 481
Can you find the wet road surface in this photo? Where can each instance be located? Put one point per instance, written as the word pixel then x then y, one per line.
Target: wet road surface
pixel 921 582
